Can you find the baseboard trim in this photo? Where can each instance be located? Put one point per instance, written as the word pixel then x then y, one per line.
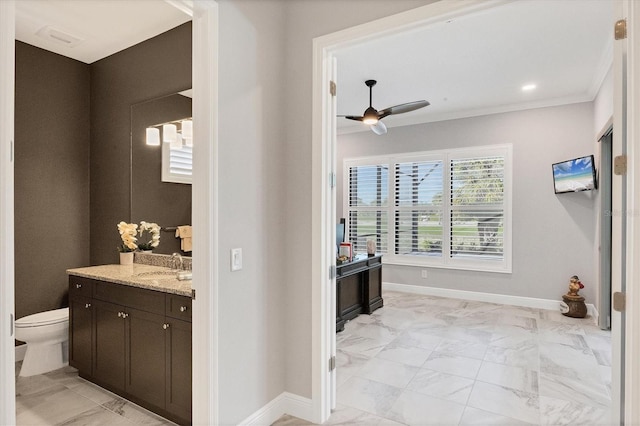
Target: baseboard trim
pixel 20 351
pixel 285 403
pixel 504 299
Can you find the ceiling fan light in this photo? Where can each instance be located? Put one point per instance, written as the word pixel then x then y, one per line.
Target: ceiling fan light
pixel 370 116
pixel 379 128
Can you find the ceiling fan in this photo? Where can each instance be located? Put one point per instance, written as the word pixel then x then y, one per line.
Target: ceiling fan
pixel 372 116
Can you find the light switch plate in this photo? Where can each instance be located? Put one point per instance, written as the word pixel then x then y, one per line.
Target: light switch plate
pixel 236 259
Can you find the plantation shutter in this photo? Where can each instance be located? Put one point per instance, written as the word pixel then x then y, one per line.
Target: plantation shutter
pixel 177 164
pixel 418 208
pixel 477 208
pixel 367 206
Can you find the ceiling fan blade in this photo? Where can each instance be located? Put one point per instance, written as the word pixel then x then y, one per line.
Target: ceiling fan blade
pixel 352 117
pixel 379 128
pixel 402 108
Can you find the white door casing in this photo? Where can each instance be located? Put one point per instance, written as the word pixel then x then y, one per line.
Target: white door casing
pixel 7 82
pixel 630 67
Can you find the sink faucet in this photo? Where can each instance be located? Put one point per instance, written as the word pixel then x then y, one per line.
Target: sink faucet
pixel 176 261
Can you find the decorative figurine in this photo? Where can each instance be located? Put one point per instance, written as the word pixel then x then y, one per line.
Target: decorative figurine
pixel 574 305
pixel 574 286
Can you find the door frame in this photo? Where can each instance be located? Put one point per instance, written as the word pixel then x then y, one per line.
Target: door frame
pixel 323 149
pixel 631 12
pixel 323 154
pixel 205 17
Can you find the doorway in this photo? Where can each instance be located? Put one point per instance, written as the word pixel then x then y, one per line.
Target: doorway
pixel 205 109
pixel 323 54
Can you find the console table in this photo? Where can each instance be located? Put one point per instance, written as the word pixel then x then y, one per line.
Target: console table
pixel 358 288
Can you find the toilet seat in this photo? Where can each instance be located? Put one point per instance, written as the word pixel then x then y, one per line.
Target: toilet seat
pixel 43 318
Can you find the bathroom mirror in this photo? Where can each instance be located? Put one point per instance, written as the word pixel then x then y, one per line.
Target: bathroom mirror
pixel 166 203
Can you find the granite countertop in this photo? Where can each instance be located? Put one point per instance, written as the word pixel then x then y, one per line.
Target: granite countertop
pixel 137 275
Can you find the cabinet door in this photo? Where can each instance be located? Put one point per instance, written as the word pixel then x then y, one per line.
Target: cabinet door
pixel 109 353
pixel 145 360
pixel 350 296
pixel 80 334
pixel 373 290
pixel 178 397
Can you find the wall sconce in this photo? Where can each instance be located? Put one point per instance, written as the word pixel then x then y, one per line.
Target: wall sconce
pixel 153 136
pixel 171 134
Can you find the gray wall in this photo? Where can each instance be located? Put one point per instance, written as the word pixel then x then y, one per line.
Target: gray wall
pixel 51 176
pixel 139 73
pixel 553 235
pixel 251 128
pixel 305 21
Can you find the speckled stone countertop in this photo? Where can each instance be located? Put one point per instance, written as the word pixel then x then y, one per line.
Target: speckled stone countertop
pixel 137 275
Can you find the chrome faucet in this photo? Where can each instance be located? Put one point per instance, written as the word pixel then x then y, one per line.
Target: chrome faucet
pixel 176 261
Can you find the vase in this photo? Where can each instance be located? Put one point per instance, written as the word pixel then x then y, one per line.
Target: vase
pixel 371 247
pixel 126 258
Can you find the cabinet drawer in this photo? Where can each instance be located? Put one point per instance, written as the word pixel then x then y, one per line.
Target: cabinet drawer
pixel 178 307
pixel 137 298
pixel 80 286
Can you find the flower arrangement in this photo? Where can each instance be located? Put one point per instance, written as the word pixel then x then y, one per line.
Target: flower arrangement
pixel 154 231
pixel 128 233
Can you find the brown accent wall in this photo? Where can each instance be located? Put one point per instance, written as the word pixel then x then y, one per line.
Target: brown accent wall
pixel 51 176
pixel 165 203
pixel 153 68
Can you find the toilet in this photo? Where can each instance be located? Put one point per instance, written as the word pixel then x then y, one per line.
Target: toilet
pixel 46 335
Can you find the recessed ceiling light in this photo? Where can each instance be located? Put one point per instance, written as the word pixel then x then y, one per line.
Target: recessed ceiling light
pixel 528 87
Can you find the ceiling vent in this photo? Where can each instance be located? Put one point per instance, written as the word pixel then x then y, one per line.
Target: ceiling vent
pixel 60 37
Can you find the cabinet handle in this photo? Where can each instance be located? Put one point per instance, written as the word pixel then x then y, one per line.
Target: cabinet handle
pixel 78 285
pixel 165 326
pixel 183 308
pixel 87 305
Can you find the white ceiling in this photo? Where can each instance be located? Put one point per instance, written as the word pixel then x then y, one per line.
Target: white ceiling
pixel 477 64
pixel 104 27
pixel 472 65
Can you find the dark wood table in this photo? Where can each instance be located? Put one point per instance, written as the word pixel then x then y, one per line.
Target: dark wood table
pixel 358 288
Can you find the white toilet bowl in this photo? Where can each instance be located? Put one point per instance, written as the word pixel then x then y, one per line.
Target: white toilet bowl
pixel 46 335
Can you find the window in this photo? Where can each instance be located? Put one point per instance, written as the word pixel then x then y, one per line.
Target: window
pixel 177 164
pixel 443 209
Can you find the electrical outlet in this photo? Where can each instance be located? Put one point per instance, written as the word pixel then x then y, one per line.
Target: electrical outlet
pixel 424 273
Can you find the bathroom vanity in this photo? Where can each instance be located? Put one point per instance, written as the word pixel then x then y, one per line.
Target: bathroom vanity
pixel 130 332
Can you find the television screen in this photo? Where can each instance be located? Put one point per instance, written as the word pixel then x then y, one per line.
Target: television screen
pixel 574 175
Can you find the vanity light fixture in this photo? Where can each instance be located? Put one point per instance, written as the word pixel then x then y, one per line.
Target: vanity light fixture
pixel 528 87
pixel 169 133
pixel 187 132
pixel 153 136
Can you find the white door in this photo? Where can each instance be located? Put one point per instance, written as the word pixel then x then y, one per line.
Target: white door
pixel 625 219
pixel 332 218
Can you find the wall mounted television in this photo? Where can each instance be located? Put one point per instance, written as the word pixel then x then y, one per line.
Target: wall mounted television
pixel 574 175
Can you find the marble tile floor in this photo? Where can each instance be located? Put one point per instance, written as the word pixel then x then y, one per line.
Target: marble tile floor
pixel 424 360
pixel 62 398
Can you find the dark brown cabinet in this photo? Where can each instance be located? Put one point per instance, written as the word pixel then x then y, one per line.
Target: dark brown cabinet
pixel 80 337
pixel 358 288
pixel 134 342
